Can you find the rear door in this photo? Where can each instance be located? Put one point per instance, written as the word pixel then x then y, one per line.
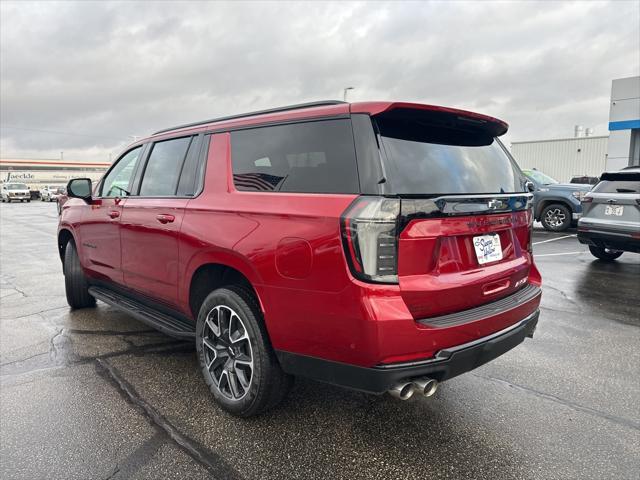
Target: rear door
pixel 152 216
pixel 465 215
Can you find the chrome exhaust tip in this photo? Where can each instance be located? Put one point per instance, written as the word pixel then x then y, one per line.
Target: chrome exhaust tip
pixel 402 390
pixel 426 386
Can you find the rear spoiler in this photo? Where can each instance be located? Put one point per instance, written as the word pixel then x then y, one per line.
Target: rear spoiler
pixel 451 116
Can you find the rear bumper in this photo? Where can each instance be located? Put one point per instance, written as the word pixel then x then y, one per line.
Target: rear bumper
pixel 612 240
pixel 446 364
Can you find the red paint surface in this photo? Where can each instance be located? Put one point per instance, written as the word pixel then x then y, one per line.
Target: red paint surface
pixel 312 305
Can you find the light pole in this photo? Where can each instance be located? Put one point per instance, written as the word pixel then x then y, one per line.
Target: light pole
pixel 344 93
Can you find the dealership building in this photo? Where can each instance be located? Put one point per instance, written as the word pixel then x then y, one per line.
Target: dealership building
pixel 624 124
pixel 37 173
pixel 585 154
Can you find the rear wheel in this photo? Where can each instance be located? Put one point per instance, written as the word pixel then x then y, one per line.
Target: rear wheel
pixel 605 254
pixel 75 281
pixel 235 355
pixel 556 217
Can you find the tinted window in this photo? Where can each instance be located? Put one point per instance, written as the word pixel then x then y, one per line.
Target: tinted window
pixel 612 186
pixel 116 183
pixel 192 170
pixel 313 157
pixel 163 167
pixel 432 159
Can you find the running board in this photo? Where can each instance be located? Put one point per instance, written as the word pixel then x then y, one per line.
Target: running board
pixel 172 326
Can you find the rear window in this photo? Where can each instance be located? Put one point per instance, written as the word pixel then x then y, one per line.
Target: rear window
pixel 424 158
pixel 613 186
pixel 311 157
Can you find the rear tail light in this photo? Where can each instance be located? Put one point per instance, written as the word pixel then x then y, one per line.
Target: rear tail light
pixel 370 238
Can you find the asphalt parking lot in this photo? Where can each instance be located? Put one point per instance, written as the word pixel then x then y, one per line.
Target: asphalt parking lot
pixel 94 394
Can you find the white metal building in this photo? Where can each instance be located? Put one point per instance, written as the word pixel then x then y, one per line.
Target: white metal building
pixel 587 155
pixel 565 157
pixel 624 123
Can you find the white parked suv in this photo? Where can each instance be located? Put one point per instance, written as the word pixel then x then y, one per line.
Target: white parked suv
pixel 15 192
pixel 50 193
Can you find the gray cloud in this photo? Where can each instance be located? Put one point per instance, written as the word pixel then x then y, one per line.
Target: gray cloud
pixel 125 68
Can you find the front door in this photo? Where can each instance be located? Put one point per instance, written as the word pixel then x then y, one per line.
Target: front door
pixel 100 229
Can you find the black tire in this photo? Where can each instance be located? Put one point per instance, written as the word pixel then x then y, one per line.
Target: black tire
pixel 268 384
pixel 75 281
pixel 556 217
pixel 605 254
pixel 29 201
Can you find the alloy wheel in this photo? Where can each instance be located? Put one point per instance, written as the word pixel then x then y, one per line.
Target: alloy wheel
pixel 555 217
pixel 227 352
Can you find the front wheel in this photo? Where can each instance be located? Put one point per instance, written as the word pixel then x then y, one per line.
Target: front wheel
pixel 235 354
pixel 75 281
pixel 556 218
pixel 605 254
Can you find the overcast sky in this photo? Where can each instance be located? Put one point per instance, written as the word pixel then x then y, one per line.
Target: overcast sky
pixel 105 70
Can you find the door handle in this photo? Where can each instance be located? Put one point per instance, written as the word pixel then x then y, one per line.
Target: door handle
pixel 165 218
pixel 114 214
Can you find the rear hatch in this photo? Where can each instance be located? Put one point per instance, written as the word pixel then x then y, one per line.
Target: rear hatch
pixel 614 203
pixel 465 219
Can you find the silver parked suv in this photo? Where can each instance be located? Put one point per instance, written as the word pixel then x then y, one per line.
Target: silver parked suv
pixel 610 222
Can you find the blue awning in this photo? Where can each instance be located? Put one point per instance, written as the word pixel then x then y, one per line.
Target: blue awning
pixel 624 125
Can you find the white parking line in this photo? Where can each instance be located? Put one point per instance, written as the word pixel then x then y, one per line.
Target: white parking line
pixel 554 239
pixel 555 254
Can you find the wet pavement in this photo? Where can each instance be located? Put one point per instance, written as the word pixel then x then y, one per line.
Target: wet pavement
pixel 96 394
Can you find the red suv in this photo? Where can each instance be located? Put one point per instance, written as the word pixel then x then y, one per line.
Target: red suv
pixel 379 246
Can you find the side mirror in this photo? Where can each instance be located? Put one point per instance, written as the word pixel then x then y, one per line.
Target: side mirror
pixel 80 188
pixel 530 186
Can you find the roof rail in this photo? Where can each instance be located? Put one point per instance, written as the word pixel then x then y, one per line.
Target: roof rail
pixel 298 106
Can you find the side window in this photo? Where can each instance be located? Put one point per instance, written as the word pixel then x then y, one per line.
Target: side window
pixel 116 183
pixel 191 176
pixel 163 167
pixel 311 157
